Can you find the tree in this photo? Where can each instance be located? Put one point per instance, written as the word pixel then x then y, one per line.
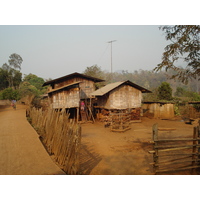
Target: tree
pixel 34 80
pixel 15 61
pixel 11 73
pixel 165 91
pixel 184 46
pixel 96 72
pixel 180 92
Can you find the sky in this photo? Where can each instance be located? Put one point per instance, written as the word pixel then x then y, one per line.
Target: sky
pixel 52 51
pixel 58 38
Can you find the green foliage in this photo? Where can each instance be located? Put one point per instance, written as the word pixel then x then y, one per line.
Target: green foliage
pixel 96 72
pixel 180 92
pixel 26 89
pixel 176 109
pixel 184 47
pixel 32 85
pixel 165 92
pixel 34 80
pixel 10 93
pixel 9 75
pixel 15 61
pixel 151 96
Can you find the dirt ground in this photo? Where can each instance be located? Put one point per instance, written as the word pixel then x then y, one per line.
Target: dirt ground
pixel 102 152
pixel 21 152
pixel 113 153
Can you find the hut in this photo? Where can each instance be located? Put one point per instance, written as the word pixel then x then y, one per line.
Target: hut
pixel 123 96
pixel 158 110
pixel 67 91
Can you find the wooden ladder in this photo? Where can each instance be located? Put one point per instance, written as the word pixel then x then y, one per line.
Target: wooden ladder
pixel 83 115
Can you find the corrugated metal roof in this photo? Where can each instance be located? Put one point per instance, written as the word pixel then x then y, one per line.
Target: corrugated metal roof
pixel 102 91
pixel 72 76
pixel 66 86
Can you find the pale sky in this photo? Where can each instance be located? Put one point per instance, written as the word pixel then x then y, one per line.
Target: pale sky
pixel 54 51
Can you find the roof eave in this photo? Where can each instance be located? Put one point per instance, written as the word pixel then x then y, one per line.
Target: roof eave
pixel 71 75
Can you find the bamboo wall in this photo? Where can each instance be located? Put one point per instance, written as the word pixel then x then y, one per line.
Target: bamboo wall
pixel 66 98
pixel 86 86
pixel 158 110
pixel 121 98
pixel 60 136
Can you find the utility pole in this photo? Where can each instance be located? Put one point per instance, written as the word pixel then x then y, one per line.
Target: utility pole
pixel 111 51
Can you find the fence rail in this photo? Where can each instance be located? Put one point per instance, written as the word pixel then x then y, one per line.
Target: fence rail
pixel 60 135
pixel 175 154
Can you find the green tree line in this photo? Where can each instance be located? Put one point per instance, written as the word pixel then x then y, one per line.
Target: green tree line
pixel 13 86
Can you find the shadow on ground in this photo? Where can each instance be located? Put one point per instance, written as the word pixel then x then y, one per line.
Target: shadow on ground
pixel 88 159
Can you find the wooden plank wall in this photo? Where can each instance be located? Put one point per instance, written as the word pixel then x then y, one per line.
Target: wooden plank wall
pixel 121 98
pixel 86 86
pixel 66 98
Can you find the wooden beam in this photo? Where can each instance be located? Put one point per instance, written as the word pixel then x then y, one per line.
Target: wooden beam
pixel 175 146
pixel 174 149
pixel 166 129
pixel 178 169
pixel 174 163
pixel 175 139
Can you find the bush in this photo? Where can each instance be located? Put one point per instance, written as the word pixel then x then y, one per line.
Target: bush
pixel 10 94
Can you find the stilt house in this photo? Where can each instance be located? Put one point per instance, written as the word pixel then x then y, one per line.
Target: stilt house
pixel 120 96
pixel 68 91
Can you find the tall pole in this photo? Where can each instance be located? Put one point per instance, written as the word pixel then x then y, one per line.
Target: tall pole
pixel 111 52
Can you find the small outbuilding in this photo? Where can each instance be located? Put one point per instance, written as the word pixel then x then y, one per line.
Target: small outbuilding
pixel 158 110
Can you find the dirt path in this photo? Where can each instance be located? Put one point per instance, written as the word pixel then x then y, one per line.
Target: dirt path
pixel 21 152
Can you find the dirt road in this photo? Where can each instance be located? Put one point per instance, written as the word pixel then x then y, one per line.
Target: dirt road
pixel 21 152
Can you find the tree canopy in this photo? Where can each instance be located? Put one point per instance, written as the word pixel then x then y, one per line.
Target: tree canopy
pixel 165 91
pixel 10 75
pixel 185 47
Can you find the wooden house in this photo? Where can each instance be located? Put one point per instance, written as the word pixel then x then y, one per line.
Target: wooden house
pixel 120 95
pixel 68 91
pixel 123 95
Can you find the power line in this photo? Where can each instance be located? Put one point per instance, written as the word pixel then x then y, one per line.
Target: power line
pixel 103 53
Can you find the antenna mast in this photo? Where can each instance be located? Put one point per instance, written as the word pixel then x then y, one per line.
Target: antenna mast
pixel 111 52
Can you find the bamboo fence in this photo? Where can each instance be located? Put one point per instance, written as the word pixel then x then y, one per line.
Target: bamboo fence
pixel 60 135
pixel 175 154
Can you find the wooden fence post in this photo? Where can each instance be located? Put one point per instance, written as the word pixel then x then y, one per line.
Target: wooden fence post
pixel 194 149
pixel 198 143
pixel 155 155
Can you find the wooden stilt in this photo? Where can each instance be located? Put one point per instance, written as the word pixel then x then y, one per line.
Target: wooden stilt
pixel 77 113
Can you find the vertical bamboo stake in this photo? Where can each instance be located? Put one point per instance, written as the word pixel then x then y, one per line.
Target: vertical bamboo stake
pixel 198 143
pixel 194 149
pixel 155 138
